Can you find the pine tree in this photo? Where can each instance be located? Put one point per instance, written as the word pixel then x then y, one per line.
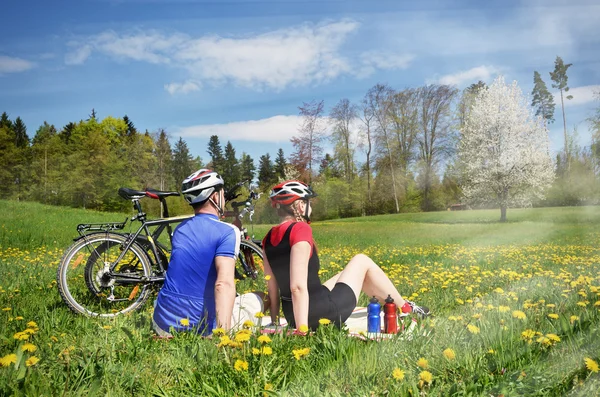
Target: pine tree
pixel 542 100
pixel 216 154
pixel 560 80
pixel 20 131
pixel 164 157
pixel 247 167
pixel 131 130
pixel 182 164
pixel 280 164
pixel 67 132
pixel 5 121
pixel 231 167
pixel 266 172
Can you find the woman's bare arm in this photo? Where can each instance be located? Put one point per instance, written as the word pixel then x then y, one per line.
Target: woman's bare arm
pixel 299 257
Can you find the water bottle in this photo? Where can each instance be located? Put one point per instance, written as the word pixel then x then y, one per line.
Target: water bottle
pixel 373 316
pixel 390 319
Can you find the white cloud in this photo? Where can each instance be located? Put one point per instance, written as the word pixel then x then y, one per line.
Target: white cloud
pixel 296 56
pixel 78 56
pixel 473 75
pixel 273 129
pixel 581 95
pixel 14 65
pixel 183 88
pixel 373 60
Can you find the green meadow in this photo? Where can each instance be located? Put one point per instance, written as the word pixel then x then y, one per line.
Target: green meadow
pixel 516 304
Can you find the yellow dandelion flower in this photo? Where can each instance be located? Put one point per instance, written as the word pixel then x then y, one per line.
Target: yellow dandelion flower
pixel 29 347
pixel 398 374
pixel 32 324
pixel 324 321
pixel 54 338
pixel 544 341
pixel 248 324
pixel 476 316
pixel 491 351
pixel 574 318
pixel 423 363
pixel 19 318
pixel 240 365
pixel 550 305
pixel 299 353
pixel 597 303
pixel 473 329
pixel 460 301
pixel 8 360
pixel 30 331
pixel 259 315
pixel 303 328
pixel 264 339
pixel 591 365
pixel 553 337
pixel 242 337
pixel 503 309
pixel 449 354
pixel 528 334
pixel 185 322
pixel 582 303
pixel 224 341
pixel 268 277
pixel 267 351
pixel 107 326
pixel 268 386
pixel 426 376
pixel 255 351
pixel 21 336
pixel 553 316
pixel 33 360
pixel 519 315
pixel 6 309
pixel 218 332
pixel 499 290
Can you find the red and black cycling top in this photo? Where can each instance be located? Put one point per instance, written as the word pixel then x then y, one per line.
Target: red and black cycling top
pixel 278 245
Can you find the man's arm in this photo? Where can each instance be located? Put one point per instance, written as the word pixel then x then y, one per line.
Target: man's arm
pixel 224 290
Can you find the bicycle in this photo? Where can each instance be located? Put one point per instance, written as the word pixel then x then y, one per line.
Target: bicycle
pixel 107 272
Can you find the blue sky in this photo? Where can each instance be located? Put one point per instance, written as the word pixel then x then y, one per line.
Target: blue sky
pixel 241 68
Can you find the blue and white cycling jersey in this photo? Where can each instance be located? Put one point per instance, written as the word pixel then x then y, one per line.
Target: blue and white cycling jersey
pixel 189 288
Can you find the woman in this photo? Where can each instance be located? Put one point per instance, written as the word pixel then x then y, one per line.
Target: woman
pixel 292 266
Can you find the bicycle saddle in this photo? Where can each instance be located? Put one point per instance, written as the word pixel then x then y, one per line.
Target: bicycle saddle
pixel 132 194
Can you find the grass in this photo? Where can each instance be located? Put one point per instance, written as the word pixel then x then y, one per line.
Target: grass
pixel 517 303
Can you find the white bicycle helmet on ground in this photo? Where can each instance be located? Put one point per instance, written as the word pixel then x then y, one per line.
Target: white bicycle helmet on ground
pixel 198 187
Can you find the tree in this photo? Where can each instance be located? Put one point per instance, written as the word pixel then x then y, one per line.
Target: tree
pixel 310 136
pixel 466 101
pixel 131 130
pixel 280 165
pixel 365 141
pixel 164 157
pixel 542 99
pixel 343 115
pixel 216 155
pixel 20 131
pixel 560 80
pixel 379 99
pixel 247 167
pixel 231 168
pixel 503 151
pixel 595 145
pixel 182 163
pixel 404 117
pixel 435 135
pixel 45 159
pixel 266 172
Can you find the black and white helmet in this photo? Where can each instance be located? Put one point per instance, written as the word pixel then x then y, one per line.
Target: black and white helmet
pixel 198 187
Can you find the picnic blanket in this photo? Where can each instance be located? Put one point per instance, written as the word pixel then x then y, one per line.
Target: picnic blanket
pixel 357 327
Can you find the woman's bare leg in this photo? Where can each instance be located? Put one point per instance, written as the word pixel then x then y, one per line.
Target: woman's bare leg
pixel 331 282
pixel 362 274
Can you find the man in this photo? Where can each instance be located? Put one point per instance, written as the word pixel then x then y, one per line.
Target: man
pixel 199 289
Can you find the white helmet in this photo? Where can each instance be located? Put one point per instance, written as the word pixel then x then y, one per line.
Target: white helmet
pixel 198 187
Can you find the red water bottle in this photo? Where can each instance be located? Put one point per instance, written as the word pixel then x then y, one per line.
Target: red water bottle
pixel 390 316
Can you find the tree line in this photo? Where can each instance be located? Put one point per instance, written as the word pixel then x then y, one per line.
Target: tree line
pixel 395 150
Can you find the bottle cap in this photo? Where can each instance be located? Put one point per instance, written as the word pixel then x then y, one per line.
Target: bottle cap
pixel 389 299
pixel 374 300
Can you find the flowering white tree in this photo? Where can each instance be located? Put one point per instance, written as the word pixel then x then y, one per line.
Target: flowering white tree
pixel 503 151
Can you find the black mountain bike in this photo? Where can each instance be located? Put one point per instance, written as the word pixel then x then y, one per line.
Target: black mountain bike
pixel 107 272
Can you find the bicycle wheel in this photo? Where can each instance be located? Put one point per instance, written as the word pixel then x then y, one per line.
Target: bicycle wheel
pixel 249 270
pixel 85 284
